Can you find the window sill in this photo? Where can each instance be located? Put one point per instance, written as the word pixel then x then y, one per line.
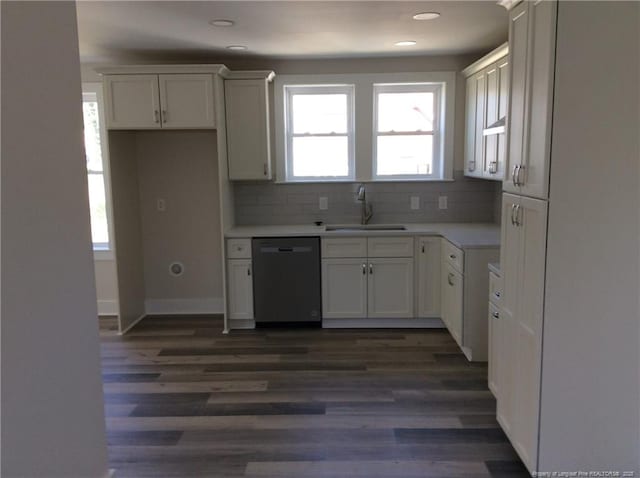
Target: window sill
pixel 367 181
pixel 103 255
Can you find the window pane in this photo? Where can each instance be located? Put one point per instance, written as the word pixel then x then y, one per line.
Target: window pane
pixel 405 155
pixel 319 113
pixel 92 135
pixel 324 156
pixel 405 112
pixel 98 207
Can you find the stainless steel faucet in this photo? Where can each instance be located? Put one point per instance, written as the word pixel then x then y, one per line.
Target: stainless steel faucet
pixel 367 208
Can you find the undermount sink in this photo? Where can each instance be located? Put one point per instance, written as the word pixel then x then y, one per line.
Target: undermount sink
pixel 365 227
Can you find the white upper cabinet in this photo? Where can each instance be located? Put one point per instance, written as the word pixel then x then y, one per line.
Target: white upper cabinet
pixel 248 140
pixel 496 109
pixel 485 106
pixel 532 39
pixel 187 101
pixel 132 102
pixel 148 101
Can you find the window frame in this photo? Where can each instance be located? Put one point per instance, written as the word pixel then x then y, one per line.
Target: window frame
pixel 438 89
pixel 322 89
pixel 93 91
pixel 363 120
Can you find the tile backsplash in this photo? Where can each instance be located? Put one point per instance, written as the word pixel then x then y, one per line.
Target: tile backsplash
pixel 468 200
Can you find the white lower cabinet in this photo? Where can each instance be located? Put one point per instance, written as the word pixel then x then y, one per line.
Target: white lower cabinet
pixel 464 285
pixel 390 288
pixel 240 289
pixel 524 230
pixel 428 280
pixel 495 349
pixel 452 301
pixel 344 288
pixel 377 285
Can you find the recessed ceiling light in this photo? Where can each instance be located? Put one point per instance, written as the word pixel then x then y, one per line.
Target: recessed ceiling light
pixel 221 23
pixel 426 16
pixel 405 43
pixel 236 47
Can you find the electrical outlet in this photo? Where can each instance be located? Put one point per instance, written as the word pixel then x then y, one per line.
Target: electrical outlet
pixel 323 203
pixel 415 202
pixel 442 202
pixel 161 205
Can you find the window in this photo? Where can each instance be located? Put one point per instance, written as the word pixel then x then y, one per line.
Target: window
pixel 395 126
pixel 407 131
pixel 319 132
pixel 95 151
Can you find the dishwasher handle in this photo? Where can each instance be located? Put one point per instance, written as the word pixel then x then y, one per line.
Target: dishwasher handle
pixel 285 250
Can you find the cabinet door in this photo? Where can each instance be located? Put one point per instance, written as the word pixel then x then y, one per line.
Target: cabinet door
pixel 247 112
pixel 452 298
pixel 132 101
pixel 516 127
pixel 470 129
pixel 477 123
pixel 344 288
pixel 390 289
pixel 510 267
pixel 531 220
pixel 503 105
pixel 481 119
pixel 490 167
pixel 534 174
pixel 187 101
pixel 240 289
pixel 428 277
pixel 495 350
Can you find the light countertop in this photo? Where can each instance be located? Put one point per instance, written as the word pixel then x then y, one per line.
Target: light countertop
pixel 462 235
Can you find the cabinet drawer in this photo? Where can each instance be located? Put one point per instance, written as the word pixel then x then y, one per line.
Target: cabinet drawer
pixel 495 289
pixel 453 255
pixel 344 247
pixel 239 248
pixel 390 246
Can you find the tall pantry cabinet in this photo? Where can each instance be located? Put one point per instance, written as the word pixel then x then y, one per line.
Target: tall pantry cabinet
pixel 532 26
pixel 557 342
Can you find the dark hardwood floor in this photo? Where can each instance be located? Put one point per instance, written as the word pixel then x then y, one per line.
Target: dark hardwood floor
pixel 183 400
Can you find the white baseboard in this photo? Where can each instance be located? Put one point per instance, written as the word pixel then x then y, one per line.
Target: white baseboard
pixel 241 324
pixel 132 324
pixel 382 324
pixel 213 305
pixel 108 307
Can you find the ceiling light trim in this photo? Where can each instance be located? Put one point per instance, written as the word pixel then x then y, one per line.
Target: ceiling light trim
pixel 427 16
pixel 221 22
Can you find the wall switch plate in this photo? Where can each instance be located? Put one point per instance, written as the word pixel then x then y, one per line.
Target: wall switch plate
pixel 323 203
pixel 442 202
pixel 161 205
pixel 415 202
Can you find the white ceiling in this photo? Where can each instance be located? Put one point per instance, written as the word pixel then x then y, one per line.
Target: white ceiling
pixel 111 30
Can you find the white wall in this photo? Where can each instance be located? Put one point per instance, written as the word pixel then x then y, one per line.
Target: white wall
pixel 53 423
pixel 181 168
pixel 590 374
pixel 106 286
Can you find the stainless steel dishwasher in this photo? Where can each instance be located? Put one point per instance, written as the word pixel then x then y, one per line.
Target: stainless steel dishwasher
pixel 286 281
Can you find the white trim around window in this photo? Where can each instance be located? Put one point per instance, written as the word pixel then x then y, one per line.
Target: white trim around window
pixel 93 91
pixel 290 91
pixel 436 167
pixel 364 110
